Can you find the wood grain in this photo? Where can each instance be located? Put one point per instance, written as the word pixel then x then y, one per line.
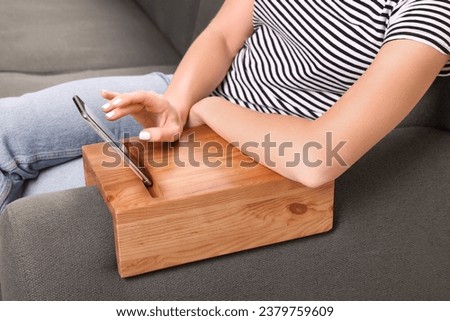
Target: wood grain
pixel 211 206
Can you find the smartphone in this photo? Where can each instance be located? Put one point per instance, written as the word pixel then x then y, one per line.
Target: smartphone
pixel 111 139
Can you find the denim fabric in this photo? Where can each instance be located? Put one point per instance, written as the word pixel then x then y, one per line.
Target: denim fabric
pixel 44 129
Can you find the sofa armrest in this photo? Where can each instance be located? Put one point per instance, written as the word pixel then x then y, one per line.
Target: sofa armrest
pixel 44 240
pixel 390 242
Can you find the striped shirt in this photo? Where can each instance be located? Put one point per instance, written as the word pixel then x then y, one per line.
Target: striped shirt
pixel 304 55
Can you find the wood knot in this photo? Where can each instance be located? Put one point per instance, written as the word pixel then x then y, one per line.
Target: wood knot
pixel 298 208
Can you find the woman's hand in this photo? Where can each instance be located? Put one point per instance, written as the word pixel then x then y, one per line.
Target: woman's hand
pixel 161 121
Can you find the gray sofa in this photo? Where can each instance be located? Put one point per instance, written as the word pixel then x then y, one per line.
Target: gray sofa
pixel 391 235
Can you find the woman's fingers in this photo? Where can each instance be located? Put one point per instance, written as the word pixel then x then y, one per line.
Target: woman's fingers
pixel 160 134
pixel 151 100
pixel 113 113
pixel 109 94
pixel 123 104
pixel 132 103
pixel 149 109
pixel 133 98
pixel 125 99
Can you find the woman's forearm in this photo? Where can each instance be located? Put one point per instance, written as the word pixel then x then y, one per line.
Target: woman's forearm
pixel 200 71
pixel 328 146
pixel 210 56
pixel 290 146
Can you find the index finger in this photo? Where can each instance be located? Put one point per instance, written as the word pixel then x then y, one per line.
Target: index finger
pixel 146 98
pixel 109 94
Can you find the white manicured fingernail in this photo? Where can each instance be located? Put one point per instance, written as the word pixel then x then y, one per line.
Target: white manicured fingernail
pixel 111 114
pixel 117 101
pixel 144 135
pixel 106 106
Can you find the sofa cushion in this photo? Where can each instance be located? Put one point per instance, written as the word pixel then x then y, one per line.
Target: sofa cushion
pixel 390 242
pixel 171 21
pixel 433 110
pixel 55 36
pixel 206 11
pixel 17 84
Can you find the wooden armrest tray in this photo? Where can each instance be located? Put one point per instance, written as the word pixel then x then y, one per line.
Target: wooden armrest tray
pixel 208 199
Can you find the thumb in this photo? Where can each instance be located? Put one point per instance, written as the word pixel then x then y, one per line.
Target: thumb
pixel 159 134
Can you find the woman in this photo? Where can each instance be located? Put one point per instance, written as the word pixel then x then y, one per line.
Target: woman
pixel 301 71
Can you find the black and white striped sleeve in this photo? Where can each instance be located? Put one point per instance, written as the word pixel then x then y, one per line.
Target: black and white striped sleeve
pixel 425 21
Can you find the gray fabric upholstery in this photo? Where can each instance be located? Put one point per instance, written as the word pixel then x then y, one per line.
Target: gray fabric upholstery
pixel 55 36
pixel 390 242
pixel 392 222
pixel 16 84
pixel 103 38
pixel 206 12
pixel 181 13
pixel 183 18
pixel 434 108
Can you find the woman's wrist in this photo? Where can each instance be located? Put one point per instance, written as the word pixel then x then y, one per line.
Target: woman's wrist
pixel 181 109
pixel 195 115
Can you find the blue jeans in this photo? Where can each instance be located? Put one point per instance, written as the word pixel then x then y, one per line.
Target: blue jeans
pixel 44 129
